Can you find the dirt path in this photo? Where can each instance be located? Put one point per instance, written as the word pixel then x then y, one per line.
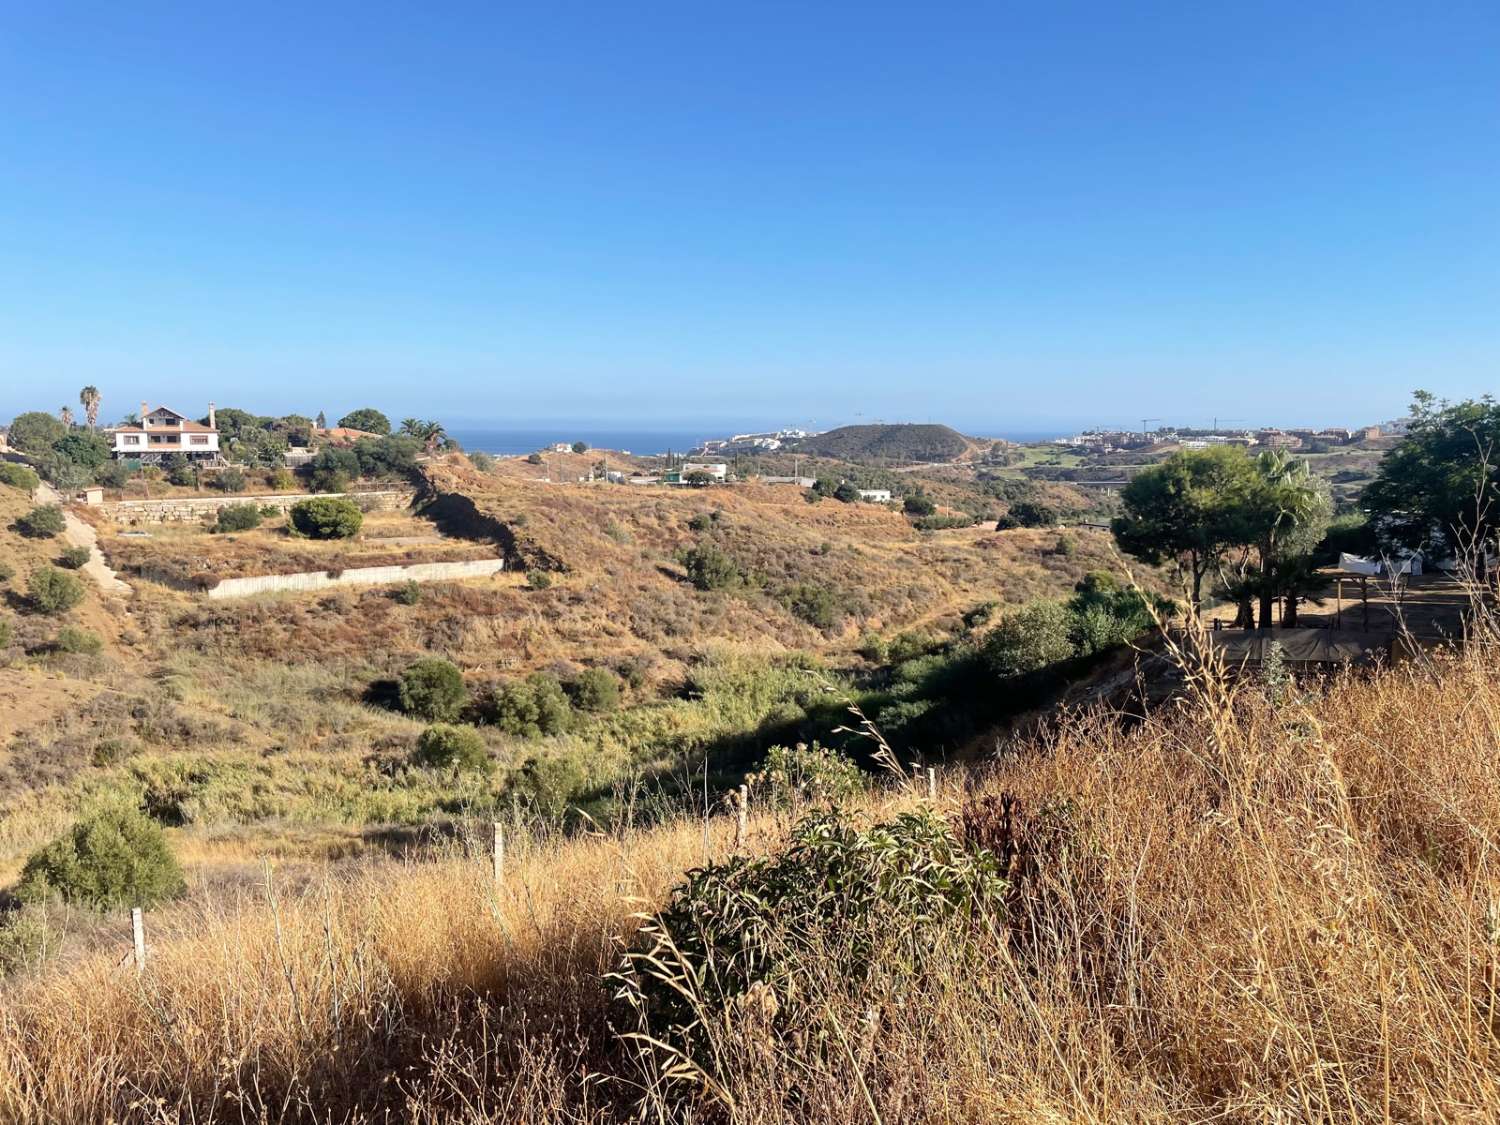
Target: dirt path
pixel 80 534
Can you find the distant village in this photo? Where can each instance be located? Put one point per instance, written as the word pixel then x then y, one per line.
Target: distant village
pixel 1114 441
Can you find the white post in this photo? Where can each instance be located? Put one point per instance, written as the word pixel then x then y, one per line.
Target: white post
pixel 742 824
pixel 498 854
pixel 931 783
pixel 138 937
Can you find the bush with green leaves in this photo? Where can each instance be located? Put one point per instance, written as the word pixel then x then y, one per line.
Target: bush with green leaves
pixel 918 504
pixel 53 591
pixel 75 558
pixel 1031 638
pixel 795 775
pixel 445 746
pixel 18 476
pixel 433 689
pixel 327 517
pixel 1106 614
pixel 549 784
pixel 529 708
pixel 45 522
pixel 180 471
pixel 595 689
pixel 78 641
pixel 366 418
pixel 533 458
pixel 112 474
pixel 846 492
pixel 238 517
pixel 115 857
pixel 1033 513
pixel 28 937
pixel 538 579
pixel 709 568
pixel 580 447
pixel 839 903
pixel 7 630
pixel 36 432
pixel 484 462
pixel 408 593
pixel 230 480
pixel 817 605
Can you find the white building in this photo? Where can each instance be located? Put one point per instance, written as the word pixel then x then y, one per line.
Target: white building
pixel 875 495
pixel 164 433
pixel 719 470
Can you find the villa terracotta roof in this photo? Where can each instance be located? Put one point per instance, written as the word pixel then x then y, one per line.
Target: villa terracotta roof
pixel 186 428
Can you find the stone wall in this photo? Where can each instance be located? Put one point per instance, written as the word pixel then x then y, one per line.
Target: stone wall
pixel 198 508
pixel 354 576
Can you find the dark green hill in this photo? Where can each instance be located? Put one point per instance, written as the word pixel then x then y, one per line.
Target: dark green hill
pixel 905 441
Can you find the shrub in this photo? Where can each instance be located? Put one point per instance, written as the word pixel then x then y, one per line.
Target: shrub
pixel 549 784
pixel 442 745
pixel 230 480
pixel 791 775
pixel 327 517
pixel 53 591
pixel 530 708
pixel 701 522
pixel 113 751
pixel 1029 639
pixel 113 474
pixel 18 476
pixel 409 593
pixel 1065 547
pixel 75 558
pixel 580 447
pixel 7 572
pixel 595 689
pixel 433 689
pixel 78 641
pixel 1032 513
pixel 36 432
pixel 839 903
pixel 238 517
pixel 533 458
pixel 45 522
pixel 180 471
pixel 538 579
pixel 28 936
pixel 482 461
pixel 282 479
pixel 817 605
pixel 7 630
pixel 366 418
pixel 1007 522
pixel 941 523
pixel 846 493
pixel 709 568
pixel 918 504
pixel 115 857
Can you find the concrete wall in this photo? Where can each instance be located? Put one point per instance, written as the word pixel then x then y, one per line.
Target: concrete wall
pixel 198 508
pixel 354 576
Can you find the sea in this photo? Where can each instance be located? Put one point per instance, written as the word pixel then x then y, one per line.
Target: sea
pixel 639 441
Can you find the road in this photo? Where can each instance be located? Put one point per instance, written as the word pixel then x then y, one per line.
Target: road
pixel 79 534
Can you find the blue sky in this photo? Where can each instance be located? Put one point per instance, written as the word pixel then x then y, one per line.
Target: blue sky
pixel 1002 216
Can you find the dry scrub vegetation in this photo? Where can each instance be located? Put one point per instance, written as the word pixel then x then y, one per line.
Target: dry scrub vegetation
pixel 1265 902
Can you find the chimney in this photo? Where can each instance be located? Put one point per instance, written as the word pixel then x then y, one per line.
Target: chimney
pixel 211 424
pixel 144 409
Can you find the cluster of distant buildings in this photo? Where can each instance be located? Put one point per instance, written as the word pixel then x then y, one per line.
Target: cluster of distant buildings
pixel 1111 441
pixel 752 443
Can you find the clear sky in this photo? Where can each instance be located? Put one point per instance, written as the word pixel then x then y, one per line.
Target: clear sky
pixel 1000 215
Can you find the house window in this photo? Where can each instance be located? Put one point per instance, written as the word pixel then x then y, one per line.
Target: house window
pixel 197 440
pixel 132 439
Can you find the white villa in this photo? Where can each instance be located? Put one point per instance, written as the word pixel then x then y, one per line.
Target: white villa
pixel 164 432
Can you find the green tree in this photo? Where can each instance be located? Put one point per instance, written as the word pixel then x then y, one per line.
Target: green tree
pixel 36 432
pixel 237 517
pixel 918 504
pixel 44 522
pixel 1034 636
pixel 367 418
pixel 709 568
pixel 53 591
pixel 595 689
pixel 18 476
pixel 443 746
pixel 327 517
pixel 75 558
pixel 1439 490
pixel 1033 513
pixel 1288 510
pixel 430 434
pixel 89 450
pixel 846 492
pixel 580 447
pixel 530 708
pixel 115 857
pixel 89 398
pixel 433 689
pixel 1188 509
pixel 180 471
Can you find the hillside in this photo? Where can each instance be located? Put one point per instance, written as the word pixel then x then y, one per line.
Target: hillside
pixel 898 442
pixel 1255 906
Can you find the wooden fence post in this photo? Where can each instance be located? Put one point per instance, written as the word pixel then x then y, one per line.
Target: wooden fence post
pixel 742 824
pixel 931 783
pixel 138 937
pixel 498 854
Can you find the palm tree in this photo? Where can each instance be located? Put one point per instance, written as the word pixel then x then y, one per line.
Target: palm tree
pixel 1291 511
pixel 90 399
pixel 430 434
pixel 66 414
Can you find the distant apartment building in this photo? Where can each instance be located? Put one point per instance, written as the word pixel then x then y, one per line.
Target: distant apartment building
pixel 164 433
pixel 1278 439
pixel 875 495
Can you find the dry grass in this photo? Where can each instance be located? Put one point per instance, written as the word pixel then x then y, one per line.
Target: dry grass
pixel 1247 908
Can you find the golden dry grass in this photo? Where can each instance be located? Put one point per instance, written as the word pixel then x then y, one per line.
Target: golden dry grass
pixel 1245 908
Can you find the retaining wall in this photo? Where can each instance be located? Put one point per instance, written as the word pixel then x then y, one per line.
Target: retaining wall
pixel 354 576
pixel 196 509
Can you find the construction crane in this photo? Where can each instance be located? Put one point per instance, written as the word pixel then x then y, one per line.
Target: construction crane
pixel 1146 425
